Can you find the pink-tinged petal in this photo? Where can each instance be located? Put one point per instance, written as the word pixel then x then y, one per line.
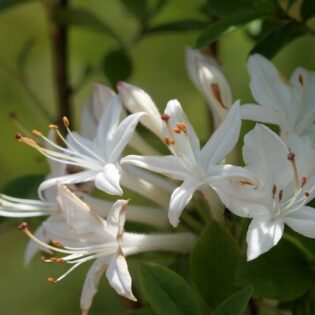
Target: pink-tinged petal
pixel 32 248
pixel 263 233
pixel 266 155
pixel 81 177
pixel 122 136
pixel 166 165
pixel 77 213
pixel 180 198
pixel 302 221
pixel 262 114
pixel 91 283
pixel 137 100
pixel 224 138
pixel 119 277
pixel 109 180
pixel 116 218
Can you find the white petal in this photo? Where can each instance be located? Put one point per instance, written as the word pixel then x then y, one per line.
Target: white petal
pixel 261 113
pixel 166 165
pixel 137 100
pixel 119 277
pixel 109 179
pixel 263 233
pixel 179 200
pixel 224 138
pixel 77 213
pixel 302 221
pixel 116 218
pixel 91 283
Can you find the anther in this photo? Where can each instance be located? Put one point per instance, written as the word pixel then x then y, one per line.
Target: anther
pixel 37 133
pixel 43 258
pixel 306 193
pixel 57 244
pixel 23 226
pixel 301 79
pixel 304 180
pixel 217 94
pixel 291 156
pixel 280 195
pixel 165 117
pixel 66 121
pixel 168 141
pixel 54 127
pixel 52 280
pixel 18 136
pixel 274 190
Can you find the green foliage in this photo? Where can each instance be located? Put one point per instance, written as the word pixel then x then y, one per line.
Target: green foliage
pixel 306 305
pixel 141 311
pixel 117 66
pixel 7 4
pixel 139 8
pixel 282 273
pixel 235 304
pixel 308 9
pixel 226 7
pixel 213 264
pixel 178 26
pixel 23 55
pixel 166 292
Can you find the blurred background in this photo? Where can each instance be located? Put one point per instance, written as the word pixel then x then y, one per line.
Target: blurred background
pixel 27 80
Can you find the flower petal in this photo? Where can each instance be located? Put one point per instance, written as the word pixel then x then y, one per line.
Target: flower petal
pixel 91 283
pixel 262 114
pixel 109 179
pixel 116 218
pixel 119 277
pixel 263 233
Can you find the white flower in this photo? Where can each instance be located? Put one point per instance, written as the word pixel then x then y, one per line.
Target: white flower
pixel 194 166
pixel 84 236
pixel 285 185
pixel 209 79
pixel 289 104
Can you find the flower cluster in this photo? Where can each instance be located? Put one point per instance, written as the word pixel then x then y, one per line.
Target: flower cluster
pixel 273 188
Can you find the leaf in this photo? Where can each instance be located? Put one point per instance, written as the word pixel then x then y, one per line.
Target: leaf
pixel 23 55
pixel 23 187
pixel 307 9
pixel 117 66
pixel 282 273
pixel 138 8
pixel 141 311
pixel 227 7
pixel 178 26
pixel 166 292
pixel 7 4
pixel 305 305
pixel 213 264
pixel 226 25
pixel 276 38
pixel 235 304
pixel 83 18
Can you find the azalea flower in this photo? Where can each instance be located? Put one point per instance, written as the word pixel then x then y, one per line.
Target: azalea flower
pixel 289 104
pixel 285 184
pixel 209 79
pixel 81 235
pixel 197 168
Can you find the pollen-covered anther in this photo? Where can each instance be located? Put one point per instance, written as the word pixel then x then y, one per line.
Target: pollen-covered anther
pixel 168 141
pixel 18 136
pixel 217 94
pixel 57 244
pixel 165 117
pixel 57 260
pixel 43 258
pixel 66 121
pixel 52 280
pixel 37 133
pixel 301 79
pixel 180 127
pixel 23 226
pixel 53 126
pixel 306 194
pixel 280 195
pixel 274 190
pixel 303 181
pixel 291 156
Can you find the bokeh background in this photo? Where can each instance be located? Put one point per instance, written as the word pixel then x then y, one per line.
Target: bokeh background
pixel 158 67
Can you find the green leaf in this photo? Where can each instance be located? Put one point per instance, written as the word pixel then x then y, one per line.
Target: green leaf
pixel 308 9
pixel 178 26
pixel 235 304
pixel 166 292
pixel 213 264
pixel 305 305
pixel 117 66
pixel 226 25
pixel 276 38
pixel 23 55
pixel 7 4
pixel 138 8
pixel 282 273
pixel 82 18
pixel 141 311
pixel 24 187
pixel 227 7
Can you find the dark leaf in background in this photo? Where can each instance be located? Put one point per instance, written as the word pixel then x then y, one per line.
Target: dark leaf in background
pixel 178 26
pixel 308 9
pixel 117 66
pixel 86 19
pixel 227 7
pixel 282 273
pixel 23 55
pixel 213 264
pixel 141 311
pixel 276 38
pixel 235 304
pixel 166 292
pixel 305 305
pixel 24 187
pixel 7 4
pixel 138 8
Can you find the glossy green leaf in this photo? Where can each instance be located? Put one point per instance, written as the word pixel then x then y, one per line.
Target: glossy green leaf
pixel 276 38
pixel 213 264
pixel 167 292
pixel 282 273
pixel 178 26
pixel 117 66
pixel 226 25
pixel 235 304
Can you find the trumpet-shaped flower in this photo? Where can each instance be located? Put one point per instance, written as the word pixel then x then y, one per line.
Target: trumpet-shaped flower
pixel 84 236
pixel 196 167
pixel 285 185
pixel 288 104
pixel 209 79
